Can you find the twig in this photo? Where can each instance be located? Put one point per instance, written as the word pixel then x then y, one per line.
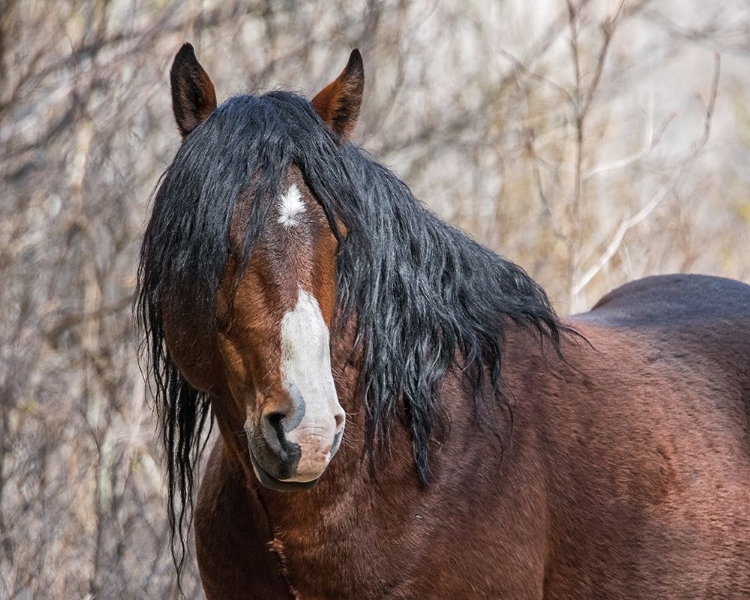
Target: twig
pixel 642 153
pixel 608 30
pixel 531 148
pixel 519 66
pixel 631 222
pixel 618 237
pixel 72 320
pixel 711 104
pixel 581 106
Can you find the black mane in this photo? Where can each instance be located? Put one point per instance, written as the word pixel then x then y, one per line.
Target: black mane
pixel 422 292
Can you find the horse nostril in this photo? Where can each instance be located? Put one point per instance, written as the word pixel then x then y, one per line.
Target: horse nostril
pixel 274 419
pixel 340 418
pixel 273 430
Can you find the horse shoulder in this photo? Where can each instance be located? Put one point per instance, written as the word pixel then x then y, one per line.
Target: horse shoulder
pixel 232 537
pixel 644 432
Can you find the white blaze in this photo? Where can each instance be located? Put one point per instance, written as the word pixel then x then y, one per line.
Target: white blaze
pixel 306 375
pixel 290 207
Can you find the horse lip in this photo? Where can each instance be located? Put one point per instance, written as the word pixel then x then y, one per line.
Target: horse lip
pixel 272 483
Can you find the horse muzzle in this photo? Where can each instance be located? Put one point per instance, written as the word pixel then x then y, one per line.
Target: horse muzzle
pixel 287 457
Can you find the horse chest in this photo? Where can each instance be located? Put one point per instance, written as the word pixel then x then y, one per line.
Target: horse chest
pixel 324 561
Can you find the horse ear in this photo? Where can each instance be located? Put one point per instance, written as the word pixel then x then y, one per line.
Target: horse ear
pixel 193 94
pixel 338 103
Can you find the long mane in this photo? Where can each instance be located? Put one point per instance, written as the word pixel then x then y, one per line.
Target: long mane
pixel 425 297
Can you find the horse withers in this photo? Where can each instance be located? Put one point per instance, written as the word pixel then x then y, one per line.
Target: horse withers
pixel 401 413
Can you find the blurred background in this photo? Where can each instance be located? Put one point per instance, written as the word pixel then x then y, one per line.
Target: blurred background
pixel 590 141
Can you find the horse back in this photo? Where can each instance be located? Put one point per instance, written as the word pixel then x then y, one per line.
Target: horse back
pixel 686 338
pixel 703 320
pixel 673 301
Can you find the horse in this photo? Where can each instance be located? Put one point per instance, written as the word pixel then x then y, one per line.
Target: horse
pixel 401 413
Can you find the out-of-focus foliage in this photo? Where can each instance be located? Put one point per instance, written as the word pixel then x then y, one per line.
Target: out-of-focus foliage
pixel 591 141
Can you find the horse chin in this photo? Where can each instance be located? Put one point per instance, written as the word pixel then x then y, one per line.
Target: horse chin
pixel 270 482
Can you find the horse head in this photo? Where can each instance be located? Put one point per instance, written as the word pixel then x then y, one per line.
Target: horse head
pixel 264 356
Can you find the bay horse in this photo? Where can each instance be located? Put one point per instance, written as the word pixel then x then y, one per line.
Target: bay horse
pixel 401 412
